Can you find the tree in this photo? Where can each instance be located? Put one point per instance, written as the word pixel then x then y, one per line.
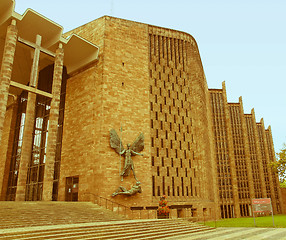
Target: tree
pixel 279 165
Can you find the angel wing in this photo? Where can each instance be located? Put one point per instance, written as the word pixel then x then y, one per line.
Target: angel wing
pixel 115 141
pixel 138 144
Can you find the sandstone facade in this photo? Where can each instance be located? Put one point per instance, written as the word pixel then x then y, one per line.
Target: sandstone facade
pixel 206 155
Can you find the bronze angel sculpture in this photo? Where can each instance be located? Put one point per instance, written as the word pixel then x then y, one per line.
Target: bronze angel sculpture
pixel 132 150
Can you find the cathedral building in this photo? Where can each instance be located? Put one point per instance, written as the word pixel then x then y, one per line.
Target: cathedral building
pixel 67 98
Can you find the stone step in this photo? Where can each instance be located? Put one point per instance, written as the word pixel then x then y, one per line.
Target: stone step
pixel 132 223
pixel 25 214
pixel 120 235
pixel 159 235
pixel 144 230
pixel 149 234
pixel 98 229
pixel 129 234
pixel 61 220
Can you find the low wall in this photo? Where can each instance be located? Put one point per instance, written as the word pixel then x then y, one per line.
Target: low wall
pixel 283 193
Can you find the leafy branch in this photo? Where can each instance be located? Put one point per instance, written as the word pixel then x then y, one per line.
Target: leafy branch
pixel 279 166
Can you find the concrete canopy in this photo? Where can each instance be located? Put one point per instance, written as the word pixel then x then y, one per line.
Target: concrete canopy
pixel 78 52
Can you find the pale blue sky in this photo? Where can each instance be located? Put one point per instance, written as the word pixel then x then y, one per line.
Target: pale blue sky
pixel 240 42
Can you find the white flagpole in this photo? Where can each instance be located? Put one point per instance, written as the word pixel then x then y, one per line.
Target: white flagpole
pixel 120 165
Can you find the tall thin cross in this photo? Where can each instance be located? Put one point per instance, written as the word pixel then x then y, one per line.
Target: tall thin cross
pixel 37 50
pixel 35 66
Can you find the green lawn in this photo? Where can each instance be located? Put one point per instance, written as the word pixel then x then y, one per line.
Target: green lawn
pixel 279 220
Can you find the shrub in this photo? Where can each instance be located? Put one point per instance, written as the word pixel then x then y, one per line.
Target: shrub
pixel 163 209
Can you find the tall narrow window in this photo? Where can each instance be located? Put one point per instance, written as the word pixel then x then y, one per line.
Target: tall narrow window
pixel 17 147
pixel 36 167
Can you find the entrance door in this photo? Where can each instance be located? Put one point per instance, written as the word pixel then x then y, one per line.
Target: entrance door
pixel 179 213
pixel 72 189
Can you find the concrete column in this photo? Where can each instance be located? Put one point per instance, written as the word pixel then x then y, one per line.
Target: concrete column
pixel 6 70
pixel 247 151
pixel 259 156
pixel 7 146
pixel 269 170
pixel 26 146
pixel 231 153
pixel 53 125
pixel 276 177
pixel 215 192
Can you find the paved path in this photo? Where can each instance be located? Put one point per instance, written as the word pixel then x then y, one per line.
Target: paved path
pixel 238 233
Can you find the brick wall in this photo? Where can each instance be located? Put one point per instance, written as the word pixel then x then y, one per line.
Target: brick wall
pixel 116 92
pixel 113 92
pixel 149 79
pixel 180 128
pixel 243 172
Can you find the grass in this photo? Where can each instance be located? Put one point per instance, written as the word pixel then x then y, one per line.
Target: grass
pixel 283 185
pixel 279 220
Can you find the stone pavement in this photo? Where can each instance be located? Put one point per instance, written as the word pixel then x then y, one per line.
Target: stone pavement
pixel 238 233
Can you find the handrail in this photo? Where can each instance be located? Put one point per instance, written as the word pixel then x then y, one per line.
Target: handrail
pixel 101 199
pixel 110 201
